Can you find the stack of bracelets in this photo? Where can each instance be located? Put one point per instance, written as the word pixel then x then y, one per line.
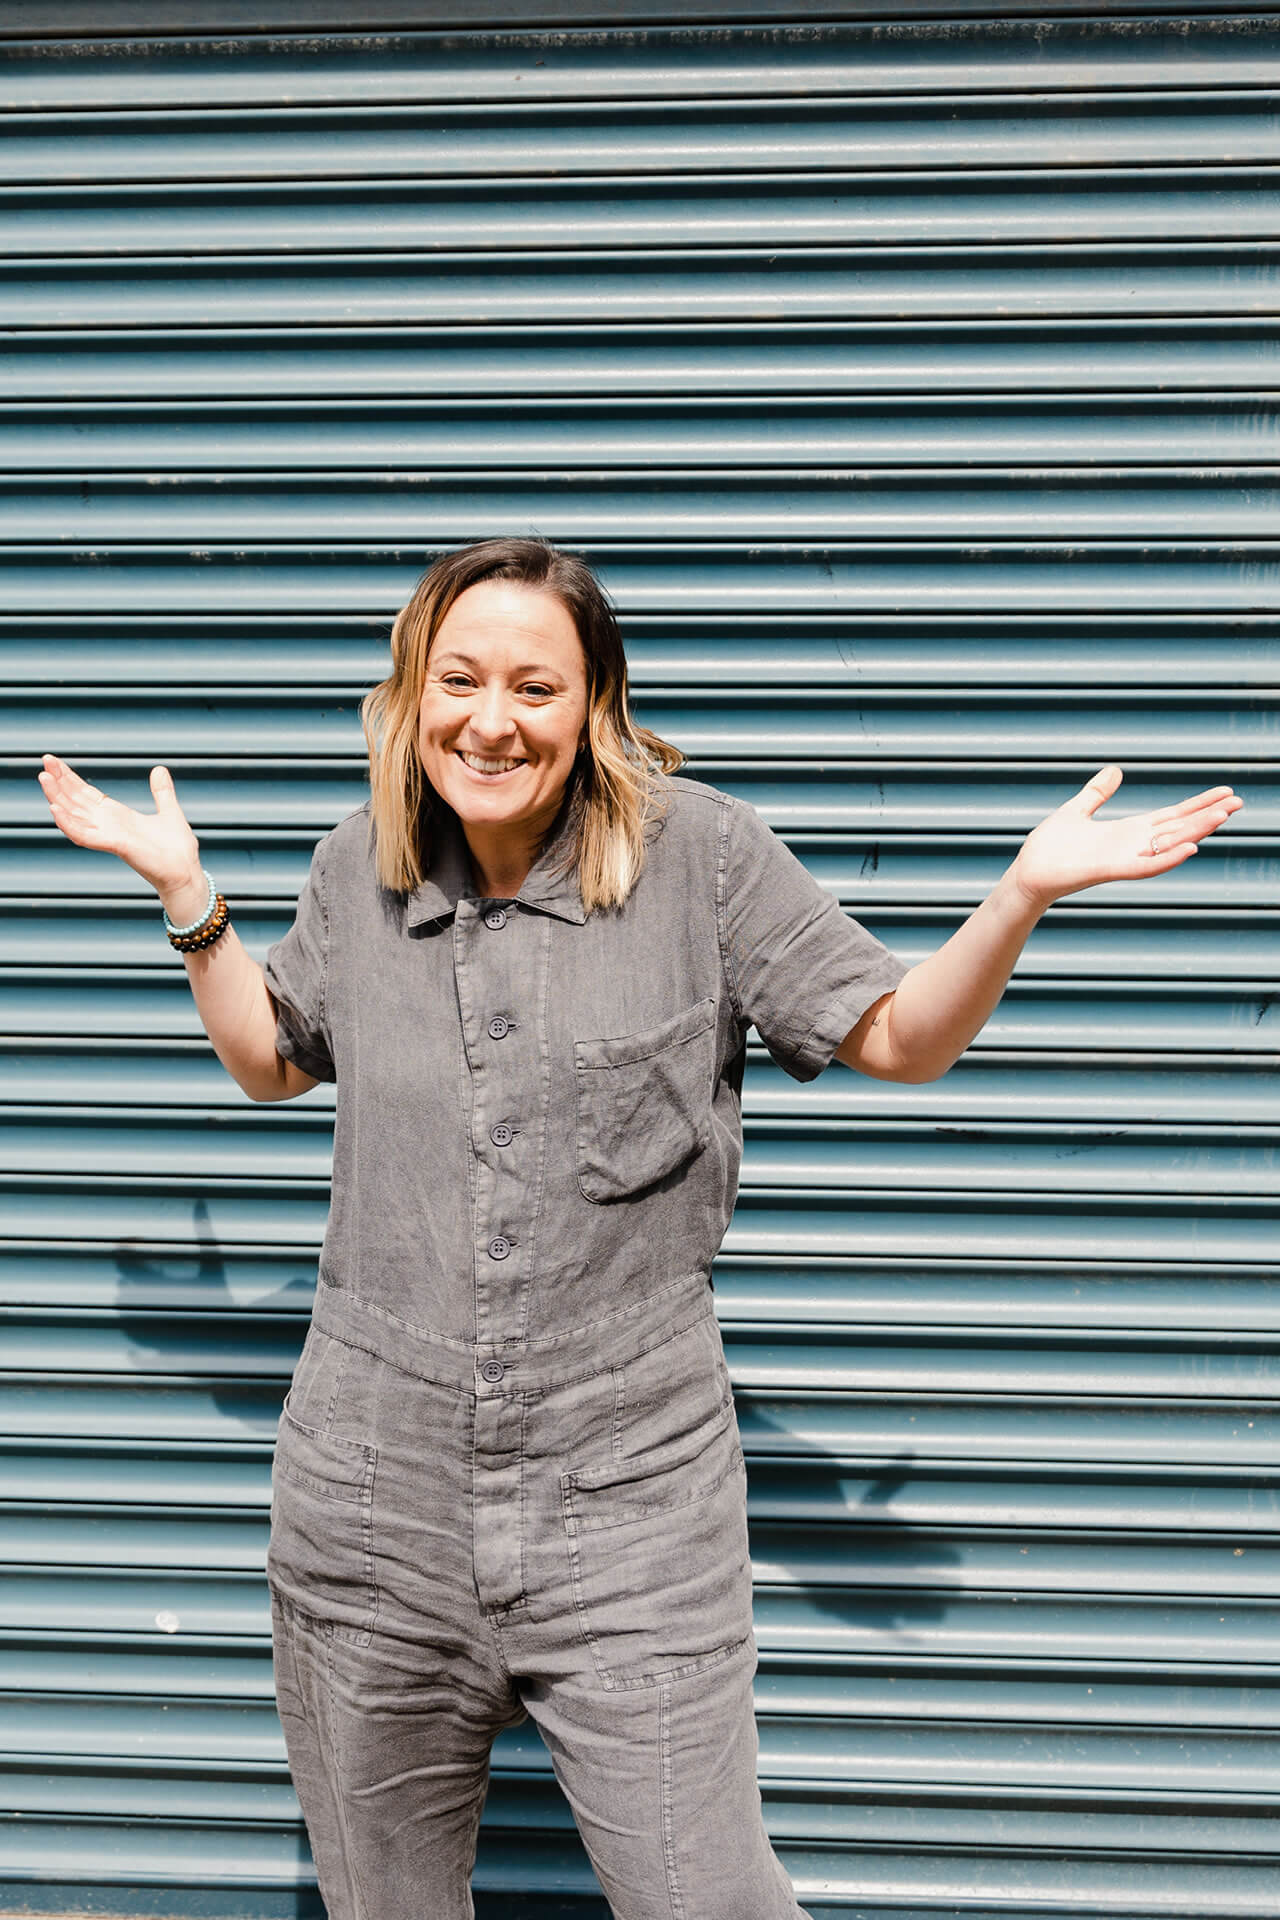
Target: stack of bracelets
pixel 211 925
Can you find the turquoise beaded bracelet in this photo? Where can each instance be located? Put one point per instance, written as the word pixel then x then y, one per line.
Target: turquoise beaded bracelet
pixel 207 915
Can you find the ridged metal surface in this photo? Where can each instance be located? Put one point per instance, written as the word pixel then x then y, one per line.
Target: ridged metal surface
pixel 912 384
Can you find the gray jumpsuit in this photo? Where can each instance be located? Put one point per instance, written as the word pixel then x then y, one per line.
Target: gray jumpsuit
pixel 508 1478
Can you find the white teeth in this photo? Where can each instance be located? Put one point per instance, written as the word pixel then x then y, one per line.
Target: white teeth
pixel 481 765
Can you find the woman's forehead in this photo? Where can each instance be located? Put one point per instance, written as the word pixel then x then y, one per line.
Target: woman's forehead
pixel 499 618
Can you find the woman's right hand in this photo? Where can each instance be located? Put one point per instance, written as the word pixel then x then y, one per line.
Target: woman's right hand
pixel 160 846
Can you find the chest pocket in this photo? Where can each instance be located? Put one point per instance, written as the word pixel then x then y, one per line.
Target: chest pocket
pixel 644 1102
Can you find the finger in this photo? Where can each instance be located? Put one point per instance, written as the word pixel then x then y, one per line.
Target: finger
pixel 66 782
pixel 163 791
pixel 1096 792
pixel 1211 796
pixel 1170 858
pixel 1190 827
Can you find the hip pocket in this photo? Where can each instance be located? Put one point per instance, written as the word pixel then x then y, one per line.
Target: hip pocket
pixel 658 1556
pixel 644 1102
pixel 320 1556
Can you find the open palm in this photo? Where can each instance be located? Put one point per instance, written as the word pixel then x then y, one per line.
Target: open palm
pixel 1074 849
pixel 160 846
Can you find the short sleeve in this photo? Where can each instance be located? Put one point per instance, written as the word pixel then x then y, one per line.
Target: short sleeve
pixel 296 970
pixel 799 969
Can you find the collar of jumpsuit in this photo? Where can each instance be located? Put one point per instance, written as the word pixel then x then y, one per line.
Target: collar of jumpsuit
pixel 549 885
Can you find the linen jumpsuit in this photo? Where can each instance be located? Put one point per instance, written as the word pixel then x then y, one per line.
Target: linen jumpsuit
pixel 508 1479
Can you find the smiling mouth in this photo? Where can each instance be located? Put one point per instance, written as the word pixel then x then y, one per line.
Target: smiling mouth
pixel 479 763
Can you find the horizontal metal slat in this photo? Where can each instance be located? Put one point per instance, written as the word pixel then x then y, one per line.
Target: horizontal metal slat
pixel 1216 430
pixel 933 1564
pixel 858 1539
pixel 923 579
pixel 1001 56
pixel 514 216
pixel 1181 730
pixel 392 143
pixel 1100 1631
pixel 957 1419
pixel 149 1006
pixel 1074 942
pixel 207 652
pixel 668 359
pixel 522 1799
pixel 1168 1303
pixel 818 1392
pixel 1127 1500
pixel 838 798
pixel 1085 1632
pixel 696 285
pixel 350 509
pixel 888 872
pixel 1107 1234
pixel 1132 1162
pixel 189 1683
pixel 834 650
pixel 1101 1884
pixel 1175 1297
pixel 1122 1110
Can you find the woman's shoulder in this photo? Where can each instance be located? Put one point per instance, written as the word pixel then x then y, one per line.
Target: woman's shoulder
pixel 693 805
pixel 347 849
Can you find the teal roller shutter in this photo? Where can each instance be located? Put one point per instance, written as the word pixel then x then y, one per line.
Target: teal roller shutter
pixel 911 382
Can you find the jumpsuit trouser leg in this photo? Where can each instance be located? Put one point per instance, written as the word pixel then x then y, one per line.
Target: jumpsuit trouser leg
pixel 450 1555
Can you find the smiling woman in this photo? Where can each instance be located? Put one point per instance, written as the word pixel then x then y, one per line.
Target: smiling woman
pixel 507 693
pixel 508 1478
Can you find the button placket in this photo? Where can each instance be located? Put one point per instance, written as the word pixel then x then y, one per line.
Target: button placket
pixel 502 994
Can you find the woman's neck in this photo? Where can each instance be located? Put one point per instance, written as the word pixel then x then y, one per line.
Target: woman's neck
pixel 500 862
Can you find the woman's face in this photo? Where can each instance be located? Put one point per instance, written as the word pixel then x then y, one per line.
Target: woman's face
pixel 503 708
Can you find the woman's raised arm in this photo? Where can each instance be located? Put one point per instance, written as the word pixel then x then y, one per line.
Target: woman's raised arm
pixel 230 991
pixel 920 1029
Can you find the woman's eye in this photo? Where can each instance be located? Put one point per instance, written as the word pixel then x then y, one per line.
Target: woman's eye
pixel 537 692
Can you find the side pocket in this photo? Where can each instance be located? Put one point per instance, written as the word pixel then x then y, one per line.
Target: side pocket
pixel 644 1103
pixel 658 1557
pixel 320 1557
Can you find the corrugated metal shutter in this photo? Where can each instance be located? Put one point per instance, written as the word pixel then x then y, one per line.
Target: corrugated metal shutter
pixel 911 382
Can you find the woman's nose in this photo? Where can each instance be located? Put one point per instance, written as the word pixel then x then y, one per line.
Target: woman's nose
pixel 491 716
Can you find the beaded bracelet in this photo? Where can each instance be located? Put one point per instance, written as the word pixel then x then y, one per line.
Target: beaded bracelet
pixel 209 931
pixel 201 933
pixel 206 912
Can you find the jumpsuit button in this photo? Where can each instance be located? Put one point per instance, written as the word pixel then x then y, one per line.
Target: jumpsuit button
pixel 492 1371
pixel 499 1247
pixel 501 1135
pixel 499 1027
pixel 495 918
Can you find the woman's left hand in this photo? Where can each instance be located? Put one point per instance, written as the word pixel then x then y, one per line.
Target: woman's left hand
pixel 1074 849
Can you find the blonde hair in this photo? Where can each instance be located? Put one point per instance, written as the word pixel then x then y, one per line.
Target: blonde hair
pixel 615 787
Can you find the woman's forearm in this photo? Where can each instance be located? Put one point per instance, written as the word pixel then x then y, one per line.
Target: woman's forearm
pixel 234 1005
pixel 923 1027
pixel 917 1032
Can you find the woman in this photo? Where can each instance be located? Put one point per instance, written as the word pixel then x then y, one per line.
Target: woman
pixel 508 1478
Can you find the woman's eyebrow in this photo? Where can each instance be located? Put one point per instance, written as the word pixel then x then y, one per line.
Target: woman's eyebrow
pixel 538 667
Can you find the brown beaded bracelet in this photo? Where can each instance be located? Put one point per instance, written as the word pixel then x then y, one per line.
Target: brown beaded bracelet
pixel 207 932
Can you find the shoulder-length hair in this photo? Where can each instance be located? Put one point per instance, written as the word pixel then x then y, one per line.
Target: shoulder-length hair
pixel 615 784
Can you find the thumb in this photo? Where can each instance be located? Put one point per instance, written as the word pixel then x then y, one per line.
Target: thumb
pixel 162 791
pixel 1096 792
